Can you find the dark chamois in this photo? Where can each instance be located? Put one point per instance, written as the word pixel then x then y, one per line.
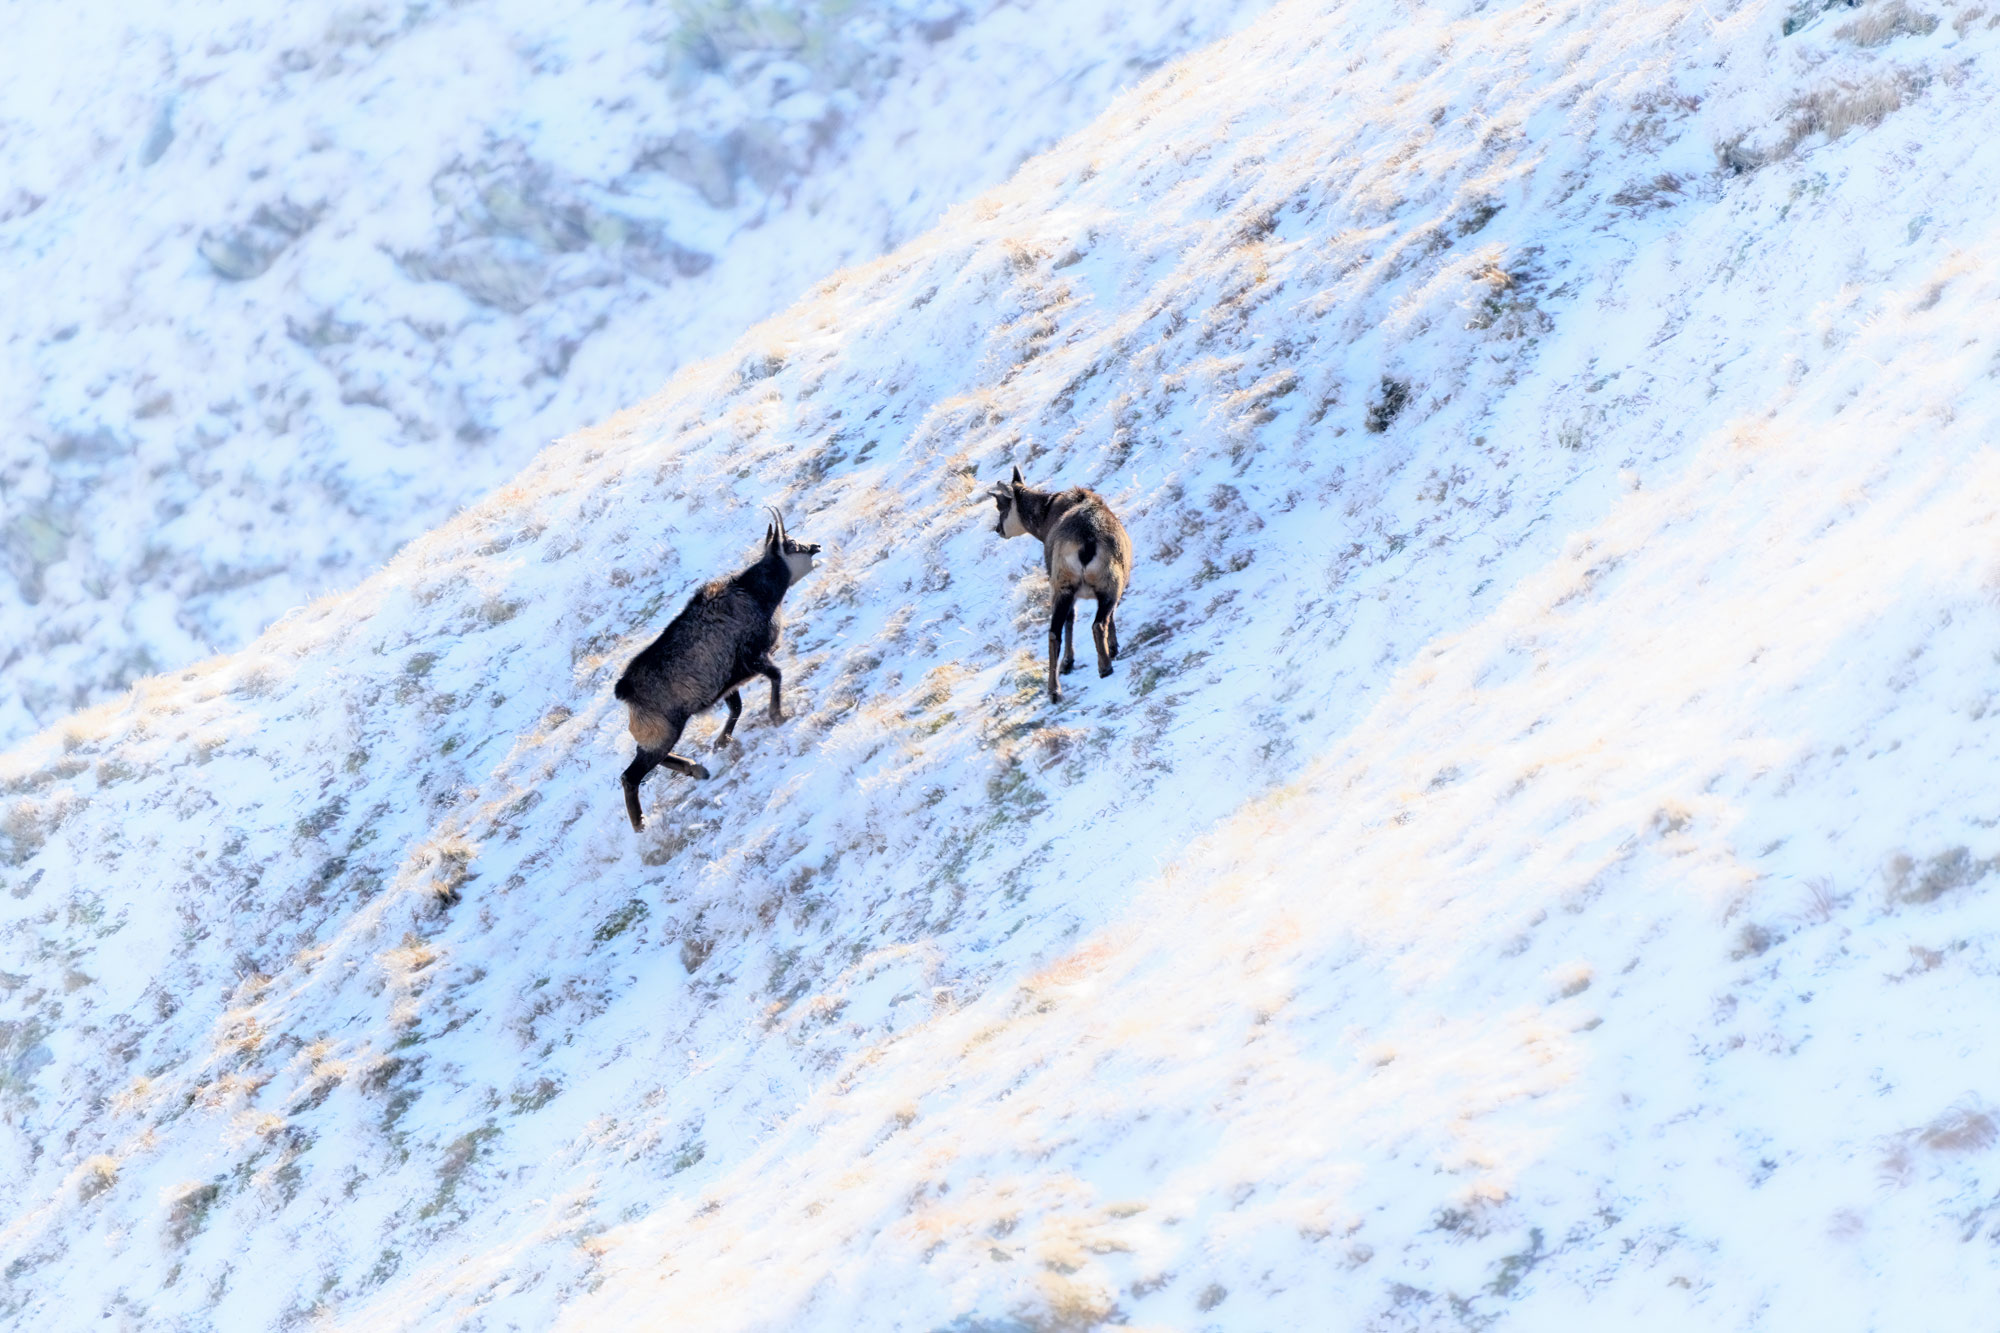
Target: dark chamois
pixel 722 638
pixel 1087 554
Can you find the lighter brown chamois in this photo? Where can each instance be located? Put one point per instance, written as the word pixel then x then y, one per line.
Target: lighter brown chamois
pixel 1087 554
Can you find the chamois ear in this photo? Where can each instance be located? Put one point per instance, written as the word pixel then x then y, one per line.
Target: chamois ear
pixel 1019 480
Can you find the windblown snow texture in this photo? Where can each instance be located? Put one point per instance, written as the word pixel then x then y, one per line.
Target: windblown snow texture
pixel 1532 866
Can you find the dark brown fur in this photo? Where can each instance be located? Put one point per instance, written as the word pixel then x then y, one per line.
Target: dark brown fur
pixel 1086 552
pixel 719 641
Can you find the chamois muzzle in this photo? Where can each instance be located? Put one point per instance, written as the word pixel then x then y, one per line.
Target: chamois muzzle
pixel 1002 496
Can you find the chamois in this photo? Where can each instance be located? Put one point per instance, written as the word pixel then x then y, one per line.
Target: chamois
pixel 1087 554
pixel 722 638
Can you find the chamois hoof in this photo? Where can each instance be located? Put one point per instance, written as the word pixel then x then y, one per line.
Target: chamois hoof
pixel 724 742
pixel 1068 667
pixel 1103 669
pixel 697 771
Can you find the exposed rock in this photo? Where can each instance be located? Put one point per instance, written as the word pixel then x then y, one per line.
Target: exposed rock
pixel 706 164
pixel 501 271
pixel 521 232
pixel 245 252
pixel 936 22
pixel 650 252
pixel 18 203
pixel 160 137
pixel 34 541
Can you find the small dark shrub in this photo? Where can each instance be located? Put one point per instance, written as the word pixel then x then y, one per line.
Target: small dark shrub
pixel 1392 398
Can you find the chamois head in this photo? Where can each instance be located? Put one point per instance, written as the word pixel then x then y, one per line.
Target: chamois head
pixel 798 556
pixel 1007 497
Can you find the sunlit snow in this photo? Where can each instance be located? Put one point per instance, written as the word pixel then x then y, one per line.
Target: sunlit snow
pixel 1530 868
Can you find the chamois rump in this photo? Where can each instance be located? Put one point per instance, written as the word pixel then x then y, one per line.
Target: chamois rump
pixel 1087 554
pixel 722 638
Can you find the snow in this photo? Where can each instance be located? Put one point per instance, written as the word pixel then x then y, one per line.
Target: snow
pixel 283 290
pixel 1531 867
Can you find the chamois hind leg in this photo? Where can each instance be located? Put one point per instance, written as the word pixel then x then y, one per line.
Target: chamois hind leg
pixel 1111 630
pixel 1069 640
pixel 635 773
pixel 769 670
pixel 735 702
pixel 1061 609
pixel 1102 637
pixel 658 754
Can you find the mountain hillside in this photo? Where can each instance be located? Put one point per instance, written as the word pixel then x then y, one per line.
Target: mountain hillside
pixel 283 287
pixel 1530 868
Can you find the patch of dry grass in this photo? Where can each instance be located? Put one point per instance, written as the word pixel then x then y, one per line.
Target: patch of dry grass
pixel 1885 24
pixel 97 1175
pixel 1833 110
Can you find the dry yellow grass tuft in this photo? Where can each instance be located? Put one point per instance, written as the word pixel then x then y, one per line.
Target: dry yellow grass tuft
pixel 1886 24
pixel 1834 110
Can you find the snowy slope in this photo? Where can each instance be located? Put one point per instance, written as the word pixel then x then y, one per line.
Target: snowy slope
pixel 283 287
pixel 1531 866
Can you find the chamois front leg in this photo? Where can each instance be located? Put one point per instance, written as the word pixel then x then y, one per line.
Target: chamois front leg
pixel 735 702
pixel 1061 609
pixel 769 670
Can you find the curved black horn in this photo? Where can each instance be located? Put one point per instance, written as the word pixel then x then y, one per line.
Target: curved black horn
pixel 1019 480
